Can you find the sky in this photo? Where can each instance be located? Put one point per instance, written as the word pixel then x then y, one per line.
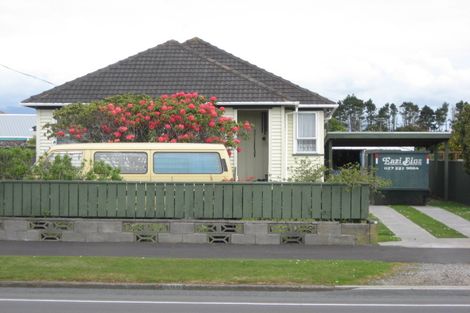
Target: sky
pixel 389 51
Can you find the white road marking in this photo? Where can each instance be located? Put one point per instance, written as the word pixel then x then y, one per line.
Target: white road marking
pixel 290 304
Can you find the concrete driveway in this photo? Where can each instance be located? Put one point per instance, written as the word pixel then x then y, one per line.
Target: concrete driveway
pixel 413 235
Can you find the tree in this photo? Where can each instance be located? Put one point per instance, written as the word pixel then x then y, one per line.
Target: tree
pixel 334 125
pixel 461 130
pixel 393 116
pixel 426 119
pixel 181 117
pixel 409 113
pixel 383 118
pixel 370 114
pixel 441 116
pixel 351 112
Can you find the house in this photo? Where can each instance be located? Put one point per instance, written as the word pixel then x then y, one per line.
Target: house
pixel 16 129
pixel 289 120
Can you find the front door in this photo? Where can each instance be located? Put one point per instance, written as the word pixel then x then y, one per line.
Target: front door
pixel 253 159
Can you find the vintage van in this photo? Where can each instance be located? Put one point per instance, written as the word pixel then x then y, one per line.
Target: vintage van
pixel 179 162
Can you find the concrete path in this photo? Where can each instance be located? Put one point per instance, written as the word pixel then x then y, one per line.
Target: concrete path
pixel 413 236
pixel 400 225
pixel 449 219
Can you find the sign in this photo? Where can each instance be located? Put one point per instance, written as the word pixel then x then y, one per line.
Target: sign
pixel 406 170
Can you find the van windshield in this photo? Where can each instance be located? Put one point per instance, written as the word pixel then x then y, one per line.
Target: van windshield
pixel 187 163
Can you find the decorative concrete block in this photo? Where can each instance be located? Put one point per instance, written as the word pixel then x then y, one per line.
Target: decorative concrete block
pixel 256 228
pixel 195 238
pixel 73 236
pixel 267 239
pixel 243 239
pixel 181 228
pixel 170 238
pixel 15 225
pixel 329 228
pixel 321 239
pixel 86 226
pixel 109 227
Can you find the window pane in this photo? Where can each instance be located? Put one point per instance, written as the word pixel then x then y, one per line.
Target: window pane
pixel 304 145
pixel 187 163
pixel 306 125
pixel 127 162
pixel 75 156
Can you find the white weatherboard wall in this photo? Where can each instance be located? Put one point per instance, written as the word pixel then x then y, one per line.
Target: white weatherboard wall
pixel 43 144
pixel 231 112
pixel 276 143
pixel 317 158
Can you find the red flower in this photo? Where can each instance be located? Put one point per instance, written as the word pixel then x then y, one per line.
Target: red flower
pixel 235 128
pixel 222 109
pixel 211 123
pixel 72 131
pixel 202 111
pixel 161 139
pixel 130 105
pixel 60 133
pixel 117 134
pixel 147 118
pixel 237 141
pixel 167 126
pixel 213 99
pixel 130 137
pixel 191 106
pixel 142 102
pixel 180 126
pixel 239 149
pixel 122 129
pixel 182 111
pixel 247 125
pixel 78 136
pixel 213 113
pixel 173 140
pixel 191 118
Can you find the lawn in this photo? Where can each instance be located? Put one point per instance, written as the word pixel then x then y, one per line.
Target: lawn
pixel 384 234
pixel 206 271
pixel 436 228
pixel 454 207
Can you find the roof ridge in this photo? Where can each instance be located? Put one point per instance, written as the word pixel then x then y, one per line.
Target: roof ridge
pixel 256 67
pixel 234 71
pixel 99 71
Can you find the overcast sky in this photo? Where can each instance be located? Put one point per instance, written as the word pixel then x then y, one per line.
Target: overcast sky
pixel 390 51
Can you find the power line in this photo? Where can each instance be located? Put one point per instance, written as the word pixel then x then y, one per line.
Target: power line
pixel 26 74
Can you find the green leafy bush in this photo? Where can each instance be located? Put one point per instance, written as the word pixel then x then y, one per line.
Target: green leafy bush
pixel 61 168
pixel 352 175
pixel 307 171
pixel 15 163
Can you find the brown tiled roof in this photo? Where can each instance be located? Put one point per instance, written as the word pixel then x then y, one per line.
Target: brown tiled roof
pixel 194 65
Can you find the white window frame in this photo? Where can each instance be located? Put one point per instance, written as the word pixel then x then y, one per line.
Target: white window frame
pixel 296 130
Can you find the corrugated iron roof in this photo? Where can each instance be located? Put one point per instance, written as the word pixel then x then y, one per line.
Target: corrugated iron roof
pixel 17 126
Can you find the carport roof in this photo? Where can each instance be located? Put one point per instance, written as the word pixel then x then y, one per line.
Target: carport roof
pixel 386 139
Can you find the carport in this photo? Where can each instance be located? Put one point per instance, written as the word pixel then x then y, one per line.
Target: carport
pixel 428 140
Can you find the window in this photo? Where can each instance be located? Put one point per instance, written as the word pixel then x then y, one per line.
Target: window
pixel 75 156
pixel 305 134
pixel 187 163
pixel 127 162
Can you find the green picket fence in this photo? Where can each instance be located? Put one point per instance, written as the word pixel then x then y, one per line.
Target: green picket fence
pixel 183 200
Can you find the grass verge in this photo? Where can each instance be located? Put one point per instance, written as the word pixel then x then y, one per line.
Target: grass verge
pixel 454 207
pixel 206 271
pixel 384 233
pixel 436 228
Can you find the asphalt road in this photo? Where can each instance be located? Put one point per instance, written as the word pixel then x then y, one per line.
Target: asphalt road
pixel 39 300
pixel 392 254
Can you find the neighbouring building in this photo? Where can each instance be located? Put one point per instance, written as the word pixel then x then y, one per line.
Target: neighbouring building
pixel 289 120
pixel 16 129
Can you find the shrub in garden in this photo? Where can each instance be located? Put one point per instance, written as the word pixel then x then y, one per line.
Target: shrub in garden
pixel 15 163
pixel 180 117
pixel 61 168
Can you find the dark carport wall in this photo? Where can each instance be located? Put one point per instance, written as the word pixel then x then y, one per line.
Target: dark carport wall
pixel 427 140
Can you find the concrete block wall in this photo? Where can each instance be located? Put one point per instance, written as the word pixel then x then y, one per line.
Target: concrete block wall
pixel 187 231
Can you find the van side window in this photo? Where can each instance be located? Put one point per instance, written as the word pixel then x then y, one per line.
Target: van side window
pixel 127 162
pixel 187 163
pixel 75 156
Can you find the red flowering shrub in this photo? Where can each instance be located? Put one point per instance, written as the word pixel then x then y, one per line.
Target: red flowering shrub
pixel 181 117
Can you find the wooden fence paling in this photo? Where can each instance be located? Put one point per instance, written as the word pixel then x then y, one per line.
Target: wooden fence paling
pixel 183 200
